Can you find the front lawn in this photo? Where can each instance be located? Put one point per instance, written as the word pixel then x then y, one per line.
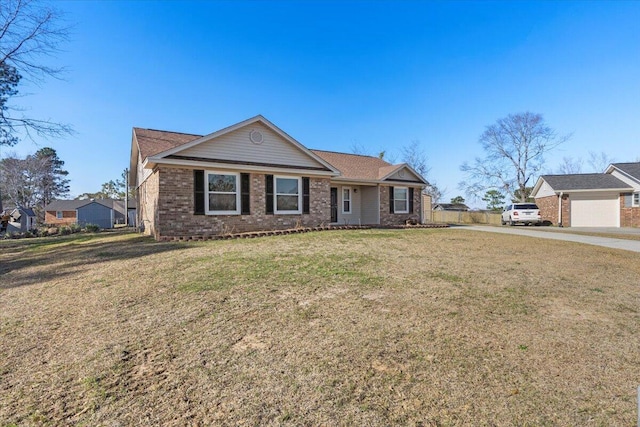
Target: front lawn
pixel 367 327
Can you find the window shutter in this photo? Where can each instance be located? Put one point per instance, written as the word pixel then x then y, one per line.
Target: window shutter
pixel 391 207
pixel 305 195
pixel 628 200
pixel 410 199
pixel 269 194
pixel 198 192
pixel 245 194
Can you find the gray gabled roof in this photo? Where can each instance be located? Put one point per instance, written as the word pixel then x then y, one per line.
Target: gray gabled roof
pixel 632 169
pixel 72 205
pixel 585 181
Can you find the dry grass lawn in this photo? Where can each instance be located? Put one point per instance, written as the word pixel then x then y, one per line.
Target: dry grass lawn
pixel 372 327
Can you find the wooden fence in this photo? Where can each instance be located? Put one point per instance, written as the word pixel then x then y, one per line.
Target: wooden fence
pixel 453 217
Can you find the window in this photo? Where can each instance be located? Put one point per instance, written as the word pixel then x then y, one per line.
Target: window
pixel 346 200
pixel 59 215
pixel 636 199
pixel 400 199
pixel 223 196
pixel 287 195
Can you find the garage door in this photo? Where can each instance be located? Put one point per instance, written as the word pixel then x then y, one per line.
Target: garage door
pixel 602 210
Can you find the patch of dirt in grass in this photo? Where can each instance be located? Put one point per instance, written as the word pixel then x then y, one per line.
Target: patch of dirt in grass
pixel 428 327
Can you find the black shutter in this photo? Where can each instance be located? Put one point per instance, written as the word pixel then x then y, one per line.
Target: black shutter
pixel 391 207
pixel 245 194
pixel 198 192
pixel 410 199
pixel 305 195
pixel 269 195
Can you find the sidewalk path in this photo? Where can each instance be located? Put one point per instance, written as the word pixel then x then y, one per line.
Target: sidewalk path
pixel 608 242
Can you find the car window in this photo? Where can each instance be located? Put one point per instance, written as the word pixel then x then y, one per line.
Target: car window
pixel 526 206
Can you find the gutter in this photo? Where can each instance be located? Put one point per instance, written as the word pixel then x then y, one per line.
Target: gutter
pixel 560 209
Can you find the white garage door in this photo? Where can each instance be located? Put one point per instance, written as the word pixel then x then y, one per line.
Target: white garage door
pixel 602 210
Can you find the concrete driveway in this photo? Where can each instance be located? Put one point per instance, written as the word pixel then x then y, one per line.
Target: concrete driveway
pixel 565 234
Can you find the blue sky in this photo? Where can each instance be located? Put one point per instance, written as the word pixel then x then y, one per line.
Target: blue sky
pixel 337 74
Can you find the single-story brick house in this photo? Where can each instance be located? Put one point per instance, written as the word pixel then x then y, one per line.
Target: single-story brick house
pixel 609 199
pixel 252 176
pixel 102 212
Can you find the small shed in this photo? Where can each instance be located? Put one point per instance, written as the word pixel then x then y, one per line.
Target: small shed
pixel 95 213
pixel 23 219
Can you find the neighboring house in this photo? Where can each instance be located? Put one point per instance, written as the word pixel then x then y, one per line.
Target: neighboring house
pixel 24 218
pixel 102 212
pixel 609 199
pixel 457 207
pixel 20 219
pixel 252 176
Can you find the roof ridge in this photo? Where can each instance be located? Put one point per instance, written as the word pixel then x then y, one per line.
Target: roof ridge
pixel 169 131
pixel 350 154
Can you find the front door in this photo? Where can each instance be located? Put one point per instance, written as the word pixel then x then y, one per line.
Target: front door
pixel 334 204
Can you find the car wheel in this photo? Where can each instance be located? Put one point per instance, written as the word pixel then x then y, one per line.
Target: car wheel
pixel 502 222
pixel 512 222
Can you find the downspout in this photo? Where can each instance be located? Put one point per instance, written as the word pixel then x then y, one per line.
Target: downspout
pixel 560 209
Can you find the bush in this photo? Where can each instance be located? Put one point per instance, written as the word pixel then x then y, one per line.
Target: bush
pixel 92 228
pixel 75 228
pixel 64 230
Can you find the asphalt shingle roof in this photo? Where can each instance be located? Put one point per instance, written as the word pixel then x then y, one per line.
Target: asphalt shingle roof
pixel 354 166
pixel 632 169
pixel 584 181
pixel 351 166
pixel 151 141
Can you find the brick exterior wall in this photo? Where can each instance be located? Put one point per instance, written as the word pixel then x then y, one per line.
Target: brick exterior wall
pixel 166 208
pixel 148 204
pixel 68 217
pixel 388 218
pixel 549 209
pixel 629 217
pixel 175 207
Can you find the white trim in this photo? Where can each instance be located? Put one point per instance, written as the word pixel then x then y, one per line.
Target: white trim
pixel 276 211
pixel 350 200
pixel 206 193
pixel 151 162
pixel 635 199
pixel 406 200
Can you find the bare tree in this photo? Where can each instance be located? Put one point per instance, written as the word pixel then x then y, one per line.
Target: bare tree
pixel 413 154
pixel 434 191
pixel 30 32
pixel 570 166
pixel 514 149
pixel 599 161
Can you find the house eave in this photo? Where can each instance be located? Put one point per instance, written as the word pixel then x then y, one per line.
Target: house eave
pixel 594 190
pixel 151 163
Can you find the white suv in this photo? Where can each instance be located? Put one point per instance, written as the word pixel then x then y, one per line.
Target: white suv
pixel 524 213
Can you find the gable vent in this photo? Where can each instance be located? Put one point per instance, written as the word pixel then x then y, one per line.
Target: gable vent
pixel 256 137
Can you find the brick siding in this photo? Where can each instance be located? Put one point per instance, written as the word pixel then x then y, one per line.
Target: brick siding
pixel 629 217
pixel 549 209
pixel 175 208
pixel 166 208
pixel 68 217
pixel 387 218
